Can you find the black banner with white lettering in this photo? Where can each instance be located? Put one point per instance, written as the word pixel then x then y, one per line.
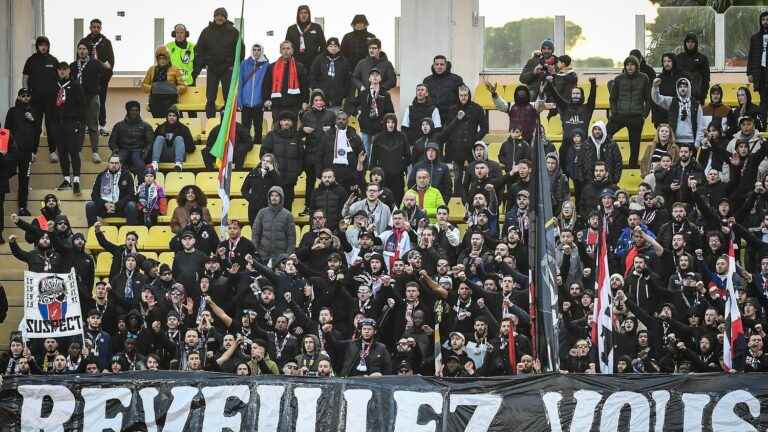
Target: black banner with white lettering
pixel 177 401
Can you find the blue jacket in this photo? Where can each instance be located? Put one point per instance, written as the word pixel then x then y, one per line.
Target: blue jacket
pixel 624 243
pixel 252 74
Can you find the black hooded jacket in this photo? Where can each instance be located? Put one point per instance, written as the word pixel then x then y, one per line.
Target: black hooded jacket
pixel 461 134
pixel 336 87
pixel 697 65
pixel 755 57
pixel 444 89
pixel 215 47
pixel 573 115
pixel 390 151
pixel 286 145
pixel 748 109
pixel 41 70
pixel 22 129
pixel 354 45
pixel 668 87
pixel 314 40
pixel 104 51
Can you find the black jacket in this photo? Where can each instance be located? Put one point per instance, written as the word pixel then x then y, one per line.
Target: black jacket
pixel 363 68
pixel 378 359
pixel 443 89
pixel 336 87
pixel 329 148
pixel 206 238
pixel 755 57
pixel 39 260
pixel 668 87
pixel 243 145
pixel 177 129
pixel 372 122
pixel 22 130
pixel 329 199
pixel 513 151
pixel 41 69
pixel 255 188
pixel 125 184
pixel 354 45
pixel 88 75
pixel 313 142
pixel 187 267
pixel 118 254
pixel 697 65
pixel 610 154
pixel 130 134
pixel 286 145
pixel 103 49
pixel 73 109
pixel 215 48
pixel 573 116
pixel 286 100
pixel 461 134
pixel 390 152
pixel 314 42
pixel 417 112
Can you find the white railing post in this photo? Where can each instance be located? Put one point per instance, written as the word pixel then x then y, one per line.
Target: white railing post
pixel 79 27
pixel 720 41
pixel 159 36
pixel 640 33
pixel 559 32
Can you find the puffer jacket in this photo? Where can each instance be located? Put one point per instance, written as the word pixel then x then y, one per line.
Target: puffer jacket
pixel 274 232
pixel 330 199
pixel 177 129
pixel 129 134
pixel 460 135
pixel 444 89
pixel 520 112
pixel 631 94
pixel 172 75
pixel 513 151
pixel 255 188
pixel 354 45
pixel 288 150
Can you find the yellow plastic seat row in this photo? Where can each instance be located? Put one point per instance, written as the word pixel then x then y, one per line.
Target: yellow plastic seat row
pixel 238 209
pixel 246 230
pixel 193 99
pixel 110 232
pixel 194 161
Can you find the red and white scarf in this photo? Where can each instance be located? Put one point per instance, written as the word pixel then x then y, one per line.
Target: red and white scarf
pixel 277 78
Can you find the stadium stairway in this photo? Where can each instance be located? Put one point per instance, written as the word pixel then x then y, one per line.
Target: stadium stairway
pixel 46 177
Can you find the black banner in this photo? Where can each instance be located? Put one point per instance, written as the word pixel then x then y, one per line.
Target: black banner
pixel 183 401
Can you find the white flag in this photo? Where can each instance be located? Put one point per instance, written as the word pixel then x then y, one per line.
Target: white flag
pixel 51 305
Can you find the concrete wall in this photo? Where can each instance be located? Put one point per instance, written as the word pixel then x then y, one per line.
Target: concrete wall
pixel 21 21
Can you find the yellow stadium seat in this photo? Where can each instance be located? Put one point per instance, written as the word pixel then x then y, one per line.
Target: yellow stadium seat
pixel 159 238
pixel 214 208
pixel 730 97
pixel 630 180
pixel 252 158
pixel 153 122
pixel 110 232
pixel 301 186
pixel 482 97
pixel 174 181
pixel 297 207
pixel 150 255
pixel 247 231
pixel 114 220
pixel 305 229
pixel 193 99
pixel 462 229
pixel 238 209
pixel 141 230
pixel 298 234
pixel 352 122
pixel 194 161
pixel 494 149
pixel 166 218
pixel 603 100
pixel 456 210
pixel 103 264
pixel 236 184
pixel 166 258
pixel 195 127
pixel 160 178
pixel 208 182
pixel 554 129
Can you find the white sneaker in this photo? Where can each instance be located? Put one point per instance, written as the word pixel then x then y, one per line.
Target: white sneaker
pixel 96 158
pixel 177 167
pixel 53 157
pixel 103 131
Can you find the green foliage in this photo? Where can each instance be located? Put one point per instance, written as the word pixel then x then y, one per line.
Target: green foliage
pixel 511 45
pixel 740 24
pixel 673 23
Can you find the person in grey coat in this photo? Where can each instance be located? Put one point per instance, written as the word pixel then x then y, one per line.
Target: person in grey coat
pixel 274 232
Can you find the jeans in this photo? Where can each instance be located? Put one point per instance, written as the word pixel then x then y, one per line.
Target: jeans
pixel 133 159
pixel 161 144
pixel 93 211
pixel 253 117
pixel 634 124
pixel 70 142
pixel 366 145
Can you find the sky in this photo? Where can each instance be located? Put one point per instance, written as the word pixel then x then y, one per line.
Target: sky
pixel 607 25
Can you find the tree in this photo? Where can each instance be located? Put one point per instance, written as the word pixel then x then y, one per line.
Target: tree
pixel 673 24
pixel 511 45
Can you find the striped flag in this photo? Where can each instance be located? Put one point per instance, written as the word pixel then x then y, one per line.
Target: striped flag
pixel 438 345
pixel 224 147
pixel 734 329
pixel 602 328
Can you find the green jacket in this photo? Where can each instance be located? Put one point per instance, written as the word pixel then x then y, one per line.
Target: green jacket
pixel 182 59
pixel 432 200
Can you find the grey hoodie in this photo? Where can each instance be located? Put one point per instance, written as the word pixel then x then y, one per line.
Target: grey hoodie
pixel 274 231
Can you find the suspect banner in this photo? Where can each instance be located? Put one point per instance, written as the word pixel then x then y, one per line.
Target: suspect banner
pixel 186 401
pixel 51 305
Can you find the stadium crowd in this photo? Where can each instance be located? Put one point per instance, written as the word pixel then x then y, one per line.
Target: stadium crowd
pixel 382 270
